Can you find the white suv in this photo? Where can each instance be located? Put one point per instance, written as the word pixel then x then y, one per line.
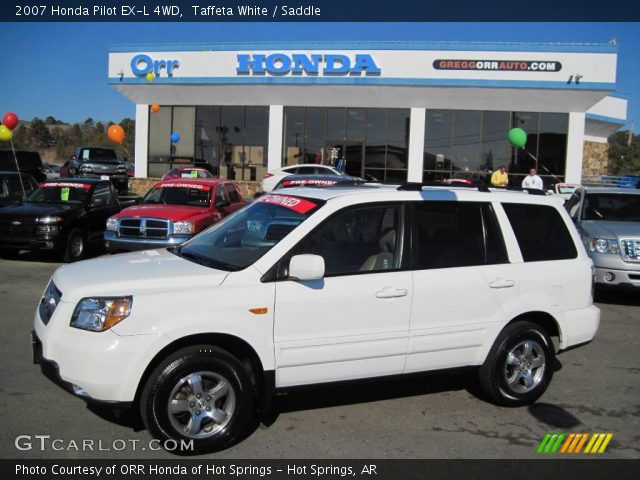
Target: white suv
pixel 272 177
pixel 323 285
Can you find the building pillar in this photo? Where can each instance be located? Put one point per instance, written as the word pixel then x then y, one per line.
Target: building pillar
pixel 575 147
pixel 142 140
pixel 416 144
pixel 274 153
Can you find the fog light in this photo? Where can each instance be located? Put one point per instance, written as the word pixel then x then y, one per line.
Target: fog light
pixel 609 277
pixel 48 244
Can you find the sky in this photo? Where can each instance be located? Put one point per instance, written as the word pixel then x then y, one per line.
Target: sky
pixel 60 69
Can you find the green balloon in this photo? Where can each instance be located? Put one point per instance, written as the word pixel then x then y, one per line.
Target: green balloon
pixel 517 137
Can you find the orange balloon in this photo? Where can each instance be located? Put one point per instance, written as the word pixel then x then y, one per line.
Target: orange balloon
pixel 155 108
pixel 116 134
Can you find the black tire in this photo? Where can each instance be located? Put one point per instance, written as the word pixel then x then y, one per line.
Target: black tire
pixel 218 370
pixel 519 379
pixel 76 246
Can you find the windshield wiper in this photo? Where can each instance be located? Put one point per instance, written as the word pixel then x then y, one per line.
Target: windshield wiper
pixel 206 261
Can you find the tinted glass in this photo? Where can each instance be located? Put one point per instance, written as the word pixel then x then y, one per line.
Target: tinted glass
pixel 194 195
pixel 541 232
pixel 60 192
pixel 233 193
pixel 450 234
pixel 357 239
pixel 612 207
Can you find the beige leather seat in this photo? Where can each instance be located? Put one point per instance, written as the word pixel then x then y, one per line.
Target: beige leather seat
pixel 384 259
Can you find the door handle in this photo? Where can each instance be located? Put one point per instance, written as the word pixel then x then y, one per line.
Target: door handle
pixel 389 292
pixel 502 283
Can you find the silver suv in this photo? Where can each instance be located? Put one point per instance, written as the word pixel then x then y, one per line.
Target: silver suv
pixel 608 220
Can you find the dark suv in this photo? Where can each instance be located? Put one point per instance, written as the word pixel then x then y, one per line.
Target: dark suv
pixel 97 162
pixel 28 162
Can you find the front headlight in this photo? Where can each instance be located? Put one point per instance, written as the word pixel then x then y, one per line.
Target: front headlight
pixel 604 245
pixel 98 314
pixel 184 227
pixel 112 224
pixel 48 220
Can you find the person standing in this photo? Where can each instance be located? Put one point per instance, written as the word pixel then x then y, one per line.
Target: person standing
pixel 500 178
pixel 532 180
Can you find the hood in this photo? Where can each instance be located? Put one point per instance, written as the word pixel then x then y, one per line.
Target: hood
pixel 605 229
pixel 133 273
pixel 38 209
pixel 170 212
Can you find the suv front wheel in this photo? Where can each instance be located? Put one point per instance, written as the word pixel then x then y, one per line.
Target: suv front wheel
pixel 201 395
pixel 519 366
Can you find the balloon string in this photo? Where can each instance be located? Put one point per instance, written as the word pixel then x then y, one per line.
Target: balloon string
pixel 15 158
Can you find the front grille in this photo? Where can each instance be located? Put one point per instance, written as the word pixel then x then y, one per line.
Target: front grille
pixel 10 227
pixel 630 249
pixel 49 302
pixel 143 227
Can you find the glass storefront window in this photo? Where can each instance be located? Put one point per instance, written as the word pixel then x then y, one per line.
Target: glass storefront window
pixel 472 144
pixel 229 141
pixel 371 141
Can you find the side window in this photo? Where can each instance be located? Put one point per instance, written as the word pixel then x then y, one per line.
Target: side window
pixel 454 234
pixel 572 204
pixel 221 195
pixel 541 232
pixel 102 191
pixel 306 170
pixel 233 193
pixel 357 239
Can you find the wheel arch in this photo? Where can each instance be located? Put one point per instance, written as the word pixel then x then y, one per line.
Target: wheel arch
pixel 264 382
pixel 544 320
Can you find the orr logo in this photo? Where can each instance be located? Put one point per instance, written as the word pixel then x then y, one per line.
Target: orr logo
pixel 330 64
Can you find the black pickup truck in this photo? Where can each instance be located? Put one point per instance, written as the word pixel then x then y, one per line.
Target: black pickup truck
pixel 98 162
pixel 62 216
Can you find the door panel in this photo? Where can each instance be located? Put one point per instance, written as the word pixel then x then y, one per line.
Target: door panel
pixel 338 329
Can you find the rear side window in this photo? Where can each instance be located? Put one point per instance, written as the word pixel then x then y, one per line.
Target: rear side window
pixel 541 232
pixel 456 234
pixel 233 193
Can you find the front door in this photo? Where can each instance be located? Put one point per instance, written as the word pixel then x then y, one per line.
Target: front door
pixel 353 323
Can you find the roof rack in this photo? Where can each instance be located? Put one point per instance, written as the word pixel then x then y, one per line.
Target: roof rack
pixel 417 186
pixel 530 191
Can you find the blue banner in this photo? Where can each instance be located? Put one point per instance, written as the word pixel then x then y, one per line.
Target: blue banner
pixel 315 11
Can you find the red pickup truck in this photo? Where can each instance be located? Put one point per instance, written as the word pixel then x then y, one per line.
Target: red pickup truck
pixel 171 213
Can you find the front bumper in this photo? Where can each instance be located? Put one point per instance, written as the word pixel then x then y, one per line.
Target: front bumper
pixel 48 242
pixel 618 278
pixel 103 367
pixel 114 243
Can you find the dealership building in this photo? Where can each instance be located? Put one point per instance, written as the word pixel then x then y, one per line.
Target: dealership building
pixel 398 111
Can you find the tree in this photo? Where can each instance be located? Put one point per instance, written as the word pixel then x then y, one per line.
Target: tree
pixel 624 153
pixel 40 135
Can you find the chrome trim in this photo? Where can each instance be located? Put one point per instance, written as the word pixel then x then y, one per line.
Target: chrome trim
pixel 630 249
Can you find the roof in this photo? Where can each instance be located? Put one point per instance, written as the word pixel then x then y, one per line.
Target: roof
pixel 376 192
pixel 211 182
pixel 620 191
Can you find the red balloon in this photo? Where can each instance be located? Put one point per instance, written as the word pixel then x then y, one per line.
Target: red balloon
pixel 116 134
pixel 10 120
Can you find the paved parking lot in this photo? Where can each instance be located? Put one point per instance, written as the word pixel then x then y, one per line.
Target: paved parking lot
pixel 597 389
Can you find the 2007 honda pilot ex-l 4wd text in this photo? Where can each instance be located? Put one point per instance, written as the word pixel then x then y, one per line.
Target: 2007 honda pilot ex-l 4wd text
pixel 323 285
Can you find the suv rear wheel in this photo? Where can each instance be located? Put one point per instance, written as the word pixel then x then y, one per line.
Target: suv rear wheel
pixel 201 394
pixel 519 366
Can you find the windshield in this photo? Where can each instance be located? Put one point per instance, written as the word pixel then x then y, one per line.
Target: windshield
pixel 242 238
pixel 612 207
pixel 98 155
pixel 180 194
pixel 60 192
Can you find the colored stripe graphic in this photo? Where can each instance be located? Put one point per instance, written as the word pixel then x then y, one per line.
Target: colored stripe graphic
pixel 556 443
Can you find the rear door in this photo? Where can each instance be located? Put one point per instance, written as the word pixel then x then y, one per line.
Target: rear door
pixel 463 284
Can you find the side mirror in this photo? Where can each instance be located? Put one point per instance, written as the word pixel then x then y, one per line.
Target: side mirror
pixel 306 267
pixel 97 203
pixel 73 157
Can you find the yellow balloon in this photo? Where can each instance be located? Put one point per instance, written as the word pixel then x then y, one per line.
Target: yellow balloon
pixel 150 77
pixel 5 133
